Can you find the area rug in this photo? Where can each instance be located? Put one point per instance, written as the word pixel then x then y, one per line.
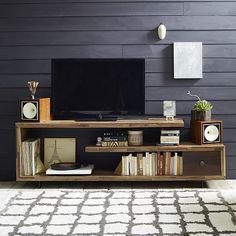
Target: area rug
pixel 118 212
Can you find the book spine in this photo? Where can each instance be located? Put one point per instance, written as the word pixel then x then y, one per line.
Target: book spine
pixel 168 163
pixel 163 158
pixel 176 164
pixel 114 139
pixel 169 138
pixel 160 163
pixel 169 135
pixel 123 165
pixel 136 165
pixel 155 164
pixel 33 158
pixel 172 165
pixel 144 166
pixel 151 164
pixel 141 164
pixel 181 165
pixel 132 167
pixel 115 144
pixel 23 159
pixel 129 164
pixel 147 164
pixel 27 172
pixel 170 131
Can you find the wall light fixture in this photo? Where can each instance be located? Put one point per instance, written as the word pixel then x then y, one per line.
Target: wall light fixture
pixel 161 31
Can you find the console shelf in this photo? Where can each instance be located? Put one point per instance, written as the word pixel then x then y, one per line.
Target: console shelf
pixel 122 123
pixel 212 155
pixel 183 147
pixel 109 176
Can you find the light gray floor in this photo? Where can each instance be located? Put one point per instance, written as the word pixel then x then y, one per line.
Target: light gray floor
pixel 212 184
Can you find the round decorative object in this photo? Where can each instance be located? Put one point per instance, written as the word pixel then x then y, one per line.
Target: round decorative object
pixel 29 110
pixel 211 133
pixel 65 166
pixel 135 138
pixel 161 31
pixel 202 163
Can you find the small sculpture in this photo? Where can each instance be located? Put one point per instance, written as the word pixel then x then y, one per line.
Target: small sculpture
pixel 33 87
pixel 99 142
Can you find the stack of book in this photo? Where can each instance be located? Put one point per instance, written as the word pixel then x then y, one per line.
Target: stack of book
pixel 152 164
pixel 114 139
pixel 30 162
pixel 169 137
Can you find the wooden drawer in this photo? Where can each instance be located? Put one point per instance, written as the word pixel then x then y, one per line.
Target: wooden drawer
pixel 202 163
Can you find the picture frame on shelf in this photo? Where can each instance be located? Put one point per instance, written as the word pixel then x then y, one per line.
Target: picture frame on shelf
pixel 169 109
pixel 57 150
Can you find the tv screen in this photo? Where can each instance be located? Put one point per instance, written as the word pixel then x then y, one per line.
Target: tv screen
pixel 97 87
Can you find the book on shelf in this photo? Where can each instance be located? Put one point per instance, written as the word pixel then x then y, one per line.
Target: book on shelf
pixel 167 132
pixel 114 143
pixel 115 139
pixel 152 164
pixel 169 140
pixel 170 137
pixel 30 162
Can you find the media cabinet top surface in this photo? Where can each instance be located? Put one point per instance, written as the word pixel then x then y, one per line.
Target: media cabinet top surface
pixel 122 123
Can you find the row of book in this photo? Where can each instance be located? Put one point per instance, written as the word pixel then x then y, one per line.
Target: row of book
pixel 152 164
pixel 30 162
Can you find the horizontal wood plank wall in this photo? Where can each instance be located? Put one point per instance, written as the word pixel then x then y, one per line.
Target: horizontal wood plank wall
pixel 34 31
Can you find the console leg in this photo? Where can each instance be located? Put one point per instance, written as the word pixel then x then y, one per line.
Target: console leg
pixel 39 184
pixel 202 184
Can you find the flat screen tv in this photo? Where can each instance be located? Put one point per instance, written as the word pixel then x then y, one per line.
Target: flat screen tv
pixel 97 88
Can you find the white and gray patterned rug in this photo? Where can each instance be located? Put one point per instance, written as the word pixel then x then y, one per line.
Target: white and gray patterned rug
pixel 197 212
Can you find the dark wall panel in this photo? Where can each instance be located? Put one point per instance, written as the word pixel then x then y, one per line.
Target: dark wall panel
pixel 24 66
pixel 227 109
pixel 210 8
pixel 91 9
pixel 113 37
pixel 46 52
pixel 14 93
pixel 20 80
pixel 34 31
pixel 209 79
pixel 144 22
pixel 209 93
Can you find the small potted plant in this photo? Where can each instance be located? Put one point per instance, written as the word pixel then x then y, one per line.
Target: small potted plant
pixel 201 109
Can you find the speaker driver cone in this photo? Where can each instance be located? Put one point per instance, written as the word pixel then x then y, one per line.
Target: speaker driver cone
pixel 29 110
pixel 211 133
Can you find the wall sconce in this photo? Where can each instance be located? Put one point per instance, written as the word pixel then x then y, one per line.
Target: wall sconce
pixel 161 31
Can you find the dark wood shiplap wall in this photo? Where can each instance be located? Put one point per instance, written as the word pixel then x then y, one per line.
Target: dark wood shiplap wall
pixel 34 31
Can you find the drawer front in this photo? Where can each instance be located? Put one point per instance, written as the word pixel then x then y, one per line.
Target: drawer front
pixel 202 163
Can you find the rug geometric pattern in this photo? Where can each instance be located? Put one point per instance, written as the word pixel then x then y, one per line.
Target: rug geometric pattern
pixel 118 212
